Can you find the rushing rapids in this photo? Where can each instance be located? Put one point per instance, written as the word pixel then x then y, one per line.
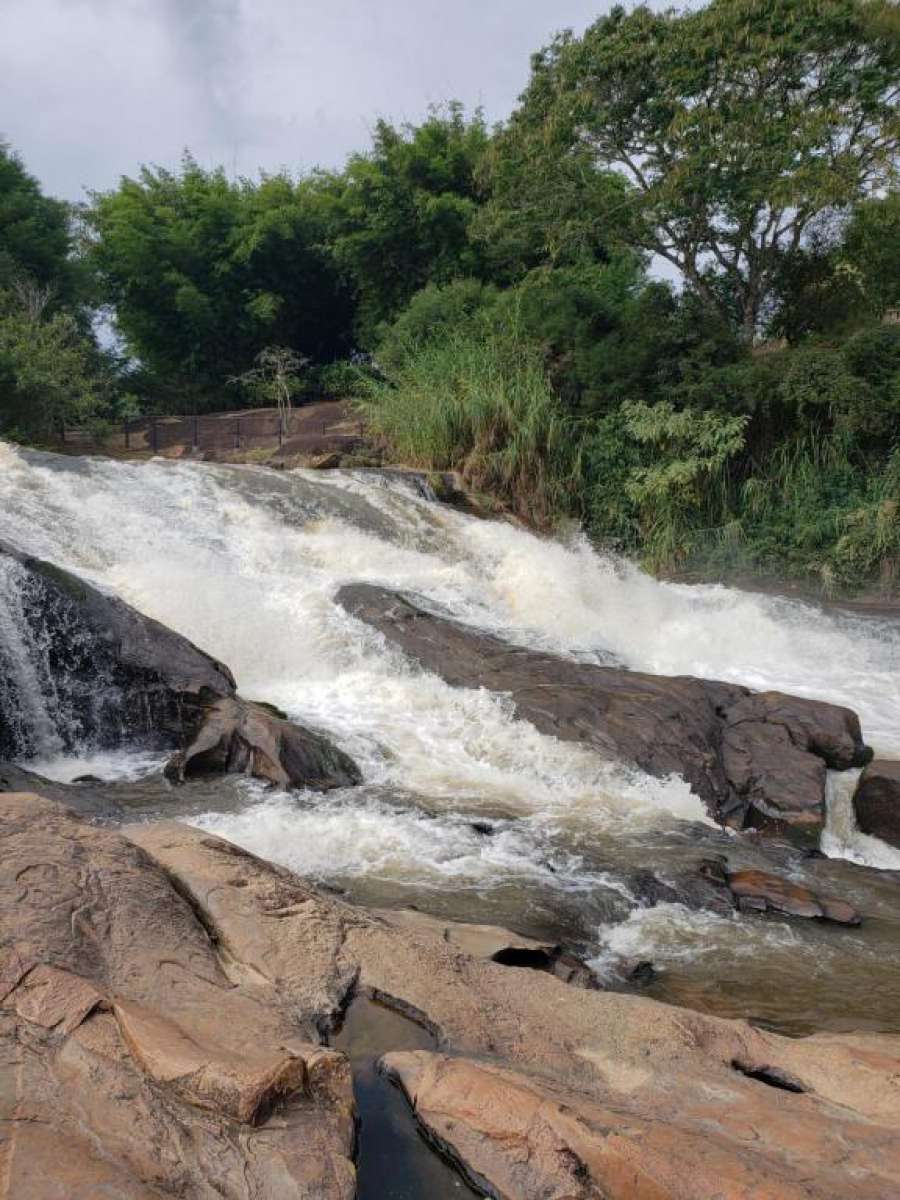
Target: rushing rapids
pixel 463 809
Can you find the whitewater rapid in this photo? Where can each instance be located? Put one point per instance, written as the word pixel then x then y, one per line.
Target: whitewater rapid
pixel 459 798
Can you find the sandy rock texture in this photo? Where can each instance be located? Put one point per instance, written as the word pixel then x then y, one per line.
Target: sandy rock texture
pixel 166 1003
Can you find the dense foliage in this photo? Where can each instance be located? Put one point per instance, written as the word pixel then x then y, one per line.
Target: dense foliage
pixel 502 290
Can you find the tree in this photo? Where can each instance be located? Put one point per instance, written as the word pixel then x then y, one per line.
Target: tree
pixel 401 214
pixel 48 371
pixel 35 234
pixel 275 379
pixel 203 272
pixel 737 126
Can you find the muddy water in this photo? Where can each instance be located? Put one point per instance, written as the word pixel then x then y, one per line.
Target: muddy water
pixel 465 811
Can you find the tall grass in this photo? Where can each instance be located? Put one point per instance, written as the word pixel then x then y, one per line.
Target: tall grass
pixel 479 402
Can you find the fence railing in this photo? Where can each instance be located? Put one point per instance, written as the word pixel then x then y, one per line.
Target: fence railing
pixel 219 432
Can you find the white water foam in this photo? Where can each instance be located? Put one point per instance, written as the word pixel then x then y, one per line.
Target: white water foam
pixel 671 934
pixel 110 766
pixel 246 563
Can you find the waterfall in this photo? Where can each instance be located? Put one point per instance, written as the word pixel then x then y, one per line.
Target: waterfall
pixel 246 561
pixel 32 721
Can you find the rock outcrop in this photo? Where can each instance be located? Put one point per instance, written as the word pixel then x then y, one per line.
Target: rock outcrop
pixel 236 736
pixel 114 675
pixel 612 1095
pixel 132 1065
pixel 756 759
pixel 113 672
pixel 166 999
pixel 876 801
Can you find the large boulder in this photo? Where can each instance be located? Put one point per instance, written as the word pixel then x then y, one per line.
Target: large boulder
pixel 83 666
pixel 756 759
pixel 91 666
pixel 236 736
pixel 876 801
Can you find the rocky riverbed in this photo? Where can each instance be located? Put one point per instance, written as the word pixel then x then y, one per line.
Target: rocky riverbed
pixel 181 1016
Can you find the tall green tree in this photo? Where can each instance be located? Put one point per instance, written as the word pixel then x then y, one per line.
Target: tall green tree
pixel 737 126
pixel 36 241
pixel 401 214
pixel 203 272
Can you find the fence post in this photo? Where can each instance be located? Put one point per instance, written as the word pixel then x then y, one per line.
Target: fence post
pixel 154 436
pixel 127 433
pixel 280 429
pixel 237 433
pixel 196 432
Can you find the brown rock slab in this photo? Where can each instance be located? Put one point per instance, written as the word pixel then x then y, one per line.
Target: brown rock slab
pixel 755 759
pixel 526 1139
pixel 876 801
pixel 131 1063
pixel 219 976
pixel 759 889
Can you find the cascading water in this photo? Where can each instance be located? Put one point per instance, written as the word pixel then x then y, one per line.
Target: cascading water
pixel 462 805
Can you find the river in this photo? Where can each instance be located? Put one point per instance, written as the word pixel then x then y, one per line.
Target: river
pixel 464 810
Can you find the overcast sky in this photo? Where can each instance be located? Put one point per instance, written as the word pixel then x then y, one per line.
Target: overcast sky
pixel 90 89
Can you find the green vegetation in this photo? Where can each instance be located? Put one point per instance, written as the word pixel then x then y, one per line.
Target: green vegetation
pixel 488 295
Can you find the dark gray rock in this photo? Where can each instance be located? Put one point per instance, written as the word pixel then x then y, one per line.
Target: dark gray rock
pixel 876 801
pixel 109 672
pixel 88 800
pixel 755 759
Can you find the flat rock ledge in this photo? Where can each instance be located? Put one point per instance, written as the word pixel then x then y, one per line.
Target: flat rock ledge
pixel 757 759
pixel 166 1000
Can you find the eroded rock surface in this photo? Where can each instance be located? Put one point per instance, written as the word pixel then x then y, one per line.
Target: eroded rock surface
pixel 550 1086
pixel 131 1064
pixel 165 1000
pixel 756 759
pixel 236 736
pixel 876 801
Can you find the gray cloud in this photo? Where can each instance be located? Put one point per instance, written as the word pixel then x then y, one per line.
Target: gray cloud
pixel 90 89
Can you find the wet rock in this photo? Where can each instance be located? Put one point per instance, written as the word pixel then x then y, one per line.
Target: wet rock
pixel 702 886
pixel 238 737
pixel 876 801
pixel 755 759
pixel 758 890
pixel 116 674
pixel 88 800
pixel 709 886
pixel 641 973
